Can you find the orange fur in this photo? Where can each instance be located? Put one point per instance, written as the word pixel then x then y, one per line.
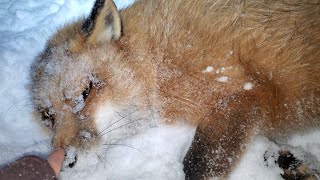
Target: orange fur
pixel 160 61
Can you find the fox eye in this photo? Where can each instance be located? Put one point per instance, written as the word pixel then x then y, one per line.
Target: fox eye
pixel 47 118
pixel 86 92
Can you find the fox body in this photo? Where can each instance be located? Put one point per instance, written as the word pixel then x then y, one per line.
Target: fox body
pixel 230 68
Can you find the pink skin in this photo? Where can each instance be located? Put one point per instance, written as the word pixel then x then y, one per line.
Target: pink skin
pixel 55 160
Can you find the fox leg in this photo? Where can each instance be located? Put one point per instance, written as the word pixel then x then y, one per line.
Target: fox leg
pixel 219 141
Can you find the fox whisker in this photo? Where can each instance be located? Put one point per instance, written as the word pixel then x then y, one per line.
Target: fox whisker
pixel 122 126
pixel 103 159
pixel 122 118
pixel 125 145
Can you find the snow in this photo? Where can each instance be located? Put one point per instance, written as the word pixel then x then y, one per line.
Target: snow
pixel 208 69
pixel 248 86
pixel 254 165
pixel 223 79
pixel 156 153
pixel 143 156
pixel 308 142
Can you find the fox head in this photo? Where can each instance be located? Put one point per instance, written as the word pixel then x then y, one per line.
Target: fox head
pixel 83 67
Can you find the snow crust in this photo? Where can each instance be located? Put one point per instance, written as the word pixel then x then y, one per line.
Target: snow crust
pixel 153 154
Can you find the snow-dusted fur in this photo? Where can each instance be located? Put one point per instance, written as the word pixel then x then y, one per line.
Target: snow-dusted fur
pixel 230 68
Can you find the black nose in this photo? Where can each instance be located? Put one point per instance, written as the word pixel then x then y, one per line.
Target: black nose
pixel 70 158
pixel 72 163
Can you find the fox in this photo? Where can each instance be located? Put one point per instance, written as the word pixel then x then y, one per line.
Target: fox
pixel 232 69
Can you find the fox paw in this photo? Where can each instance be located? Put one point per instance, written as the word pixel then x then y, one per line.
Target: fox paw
pixel 295 169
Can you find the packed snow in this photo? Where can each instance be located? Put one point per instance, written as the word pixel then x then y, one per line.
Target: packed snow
pixel 208 69
pixel 223 79
pixel 156 153
pixel 248 86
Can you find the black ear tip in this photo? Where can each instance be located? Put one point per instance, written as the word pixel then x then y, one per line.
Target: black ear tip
pixel 86 28
pixel 110 23
pixel 89 22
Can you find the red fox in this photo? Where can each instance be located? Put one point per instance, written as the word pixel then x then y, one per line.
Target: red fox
pixel 230 68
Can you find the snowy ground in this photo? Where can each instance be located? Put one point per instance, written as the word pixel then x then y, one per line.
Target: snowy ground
pixel 155 154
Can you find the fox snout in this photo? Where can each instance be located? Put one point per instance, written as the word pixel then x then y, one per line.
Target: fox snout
pixel 70 131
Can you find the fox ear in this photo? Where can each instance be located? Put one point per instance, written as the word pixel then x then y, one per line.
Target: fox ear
pixel 103 23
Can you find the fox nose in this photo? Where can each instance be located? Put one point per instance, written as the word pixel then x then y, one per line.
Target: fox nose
pixel 71 157
pixel 72 163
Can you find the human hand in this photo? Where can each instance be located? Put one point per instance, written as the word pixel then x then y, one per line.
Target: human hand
pixel 55 160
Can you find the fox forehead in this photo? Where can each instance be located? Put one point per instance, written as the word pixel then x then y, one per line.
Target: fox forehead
pixel 62 73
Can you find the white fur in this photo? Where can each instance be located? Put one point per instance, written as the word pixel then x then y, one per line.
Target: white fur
pixel 114 123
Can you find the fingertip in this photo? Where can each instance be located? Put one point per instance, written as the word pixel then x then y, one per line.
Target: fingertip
pixel 55 159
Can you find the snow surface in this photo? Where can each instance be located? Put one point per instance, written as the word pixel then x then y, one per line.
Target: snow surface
pixel 154 154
